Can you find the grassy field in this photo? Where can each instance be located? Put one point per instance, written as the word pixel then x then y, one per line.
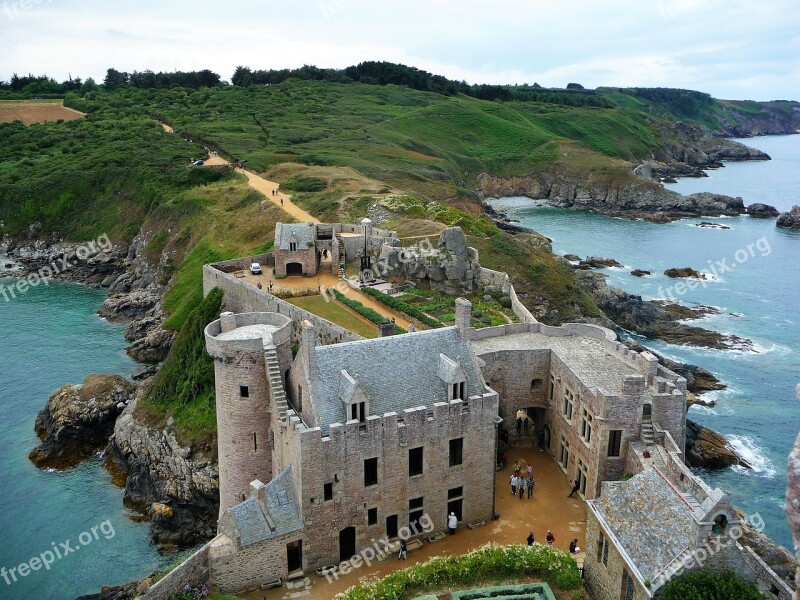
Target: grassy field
pixel 36 111
pixel 336 313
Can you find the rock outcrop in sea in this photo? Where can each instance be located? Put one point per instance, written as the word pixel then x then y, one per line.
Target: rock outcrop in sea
pixel 78 420
pixel 789 220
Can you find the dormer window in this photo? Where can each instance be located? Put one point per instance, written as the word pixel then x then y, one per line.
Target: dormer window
pixel 355 400
pixel 452 374
pixel 292 246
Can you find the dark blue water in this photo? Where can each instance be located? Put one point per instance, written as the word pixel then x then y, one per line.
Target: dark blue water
pixel 51 336
pixel 756 284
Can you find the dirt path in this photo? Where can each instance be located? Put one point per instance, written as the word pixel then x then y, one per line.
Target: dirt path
pixel 167 128
pixel 548 508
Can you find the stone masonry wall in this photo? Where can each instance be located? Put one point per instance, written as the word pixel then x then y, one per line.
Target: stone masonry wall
pixel 604 582
pixel 241 297
pixel 251 566
pixel 193 571
pixel 307 257
pixel 339 459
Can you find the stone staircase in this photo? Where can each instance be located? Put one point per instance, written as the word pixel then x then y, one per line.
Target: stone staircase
pixel 276 383
pixel 692 501
pixel 648 434
pixel 297 588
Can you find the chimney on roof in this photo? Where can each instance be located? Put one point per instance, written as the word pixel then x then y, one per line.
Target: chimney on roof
pixel 258 490
pixel 463 317
pixel 309 338
pixel 386 329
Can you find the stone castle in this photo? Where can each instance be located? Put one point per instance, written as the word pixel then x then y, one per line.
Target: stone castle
pixel 328 441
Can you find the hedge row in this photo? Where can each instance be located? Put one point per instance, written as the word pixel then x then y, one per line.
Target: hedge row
pixel 364 311
pixel 487 563
pixel 403 307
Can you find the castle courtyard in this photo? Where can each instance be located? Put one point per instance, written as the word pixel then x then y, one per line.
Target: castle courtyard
pixel 549 508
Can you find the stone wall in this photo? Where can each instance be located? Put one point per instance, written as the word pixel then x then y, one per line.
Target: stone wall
pixel 241 297
pixel 604 582
pixel 243 264
pixel 236 569
pixel 339 459
pixel 307 257
pixel 194 571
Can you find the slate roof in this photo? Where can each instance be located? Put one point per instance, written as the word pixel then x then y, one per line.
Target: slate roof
pixel 257 521
pixel 649 519
pixel 395 372
pixel 302 233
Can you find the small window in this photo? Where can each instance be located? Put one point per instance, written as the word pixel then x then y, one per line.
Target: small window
pixel 416 502
pixel 328 494
pixel 372 516
pixel 456 451
pixel 536 384
pixel 569 401
pixel 563 458
pixel 415 466
pixel 255 442
pixel 415 514
pixel 458 391
pixel 370 472
pixel 586 425
pixel 244 391
pixel 602 550
pixel 391 526
pixel 455 492
pixel 552 388
pixel 358 412
pixel 614 442
pixel 292 246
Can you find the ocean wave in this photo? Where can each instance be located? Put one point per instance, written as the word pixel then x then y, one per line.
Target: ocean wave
pixel 750 451
pixel 51 470
pixel 715 411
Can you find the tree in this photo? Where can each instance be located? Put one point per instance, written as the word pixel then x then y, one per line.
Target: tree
pixel 574 86
pixel 115 80
pixel 703 585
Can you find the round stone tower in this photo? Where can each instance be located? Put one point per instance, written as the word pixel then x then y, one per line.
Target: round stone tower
pixel 251 352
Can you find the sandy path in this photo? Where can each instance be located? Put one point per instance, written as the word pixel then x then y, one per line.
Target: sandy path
pixel 548 508
pixel 167 128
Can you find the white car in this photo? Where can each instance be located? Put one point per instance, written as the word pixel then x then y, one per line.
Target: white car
pixel 255 269
pixel 198 163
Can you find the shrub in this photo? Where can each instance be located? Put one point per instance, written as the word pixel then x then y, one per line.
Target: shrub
pixel 403 307
pixel 702 585
pixel 364 311
pixel 298 183
pixel 505 302
pixel 487 563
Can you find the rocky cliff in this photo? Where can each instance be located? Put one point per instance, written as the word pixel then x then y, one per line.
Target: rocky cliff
pixel 78 420
pixel 177 487
pixel 790 220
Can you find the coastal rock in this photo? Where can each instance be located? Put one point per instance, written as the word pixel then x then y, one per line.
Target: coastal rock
pixel 790 220
pixel 78 420
pixel 158 470
pixel 685 272
pixel 122 308
pixel 762 211
pixel 153 348
pixel 572 257
pixel 709 225
pixel 127 591
pixel 650 318
pixel 640 273
pixel 598 262
pixel 708 449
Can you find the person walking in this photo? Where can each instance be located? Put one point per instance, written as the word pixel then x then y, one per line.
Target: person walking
pixel 573 547
pixel 281 202
pixel 530 485
pixel 575 488
pixel 452 523
pixel 521 488
pixel 519 425
pixel 531 539
pixel 525 424
pixel 551 539
pixel 530 470
pixel 403 555
pixel 514 482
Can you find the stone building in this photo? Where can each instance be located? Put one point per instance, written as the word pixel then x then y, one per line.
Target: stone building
pixel 662 522
pixel 376 436
pixel 307 248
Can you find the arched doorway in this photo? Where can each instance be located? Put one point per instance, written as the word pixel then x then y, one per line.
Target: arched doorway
pixel 347 543
pixel 294 268
pixel 647 412
pixel 546 437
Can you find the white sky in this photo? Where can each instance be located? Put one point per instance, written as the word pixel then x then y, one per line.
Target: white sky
pixel 736 49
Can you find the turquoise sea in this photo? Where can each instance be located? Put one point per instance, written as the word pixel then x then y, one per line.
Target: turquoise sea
pixel 757 288
pixel 52 336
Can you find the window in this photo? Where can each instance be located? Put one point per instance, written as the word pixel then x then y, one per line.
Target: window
pixel 415 461
pixel 602 550
pixel 370 472
pixel 563 458
pixel 255 442
pixel 569 401
pixel 391 526
pixel 586 425
pixel 551 390
pixel 458 391
pixel 244 391
pixel 372 516
pixel 328 493
pixel 357 412
pixel 456 451
pixel 627 586
pixel 614 442
pixel 536 384
pixel 415 513
pixel 455 492
pixel 581 477
pixel 292 246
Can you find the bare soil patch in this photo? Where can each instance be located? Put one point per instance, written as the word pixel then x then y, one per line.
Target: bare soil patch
pixel 36 111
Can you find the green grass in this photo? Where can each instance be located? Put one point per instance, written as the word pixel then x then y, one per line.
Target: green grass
pixel 336 314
